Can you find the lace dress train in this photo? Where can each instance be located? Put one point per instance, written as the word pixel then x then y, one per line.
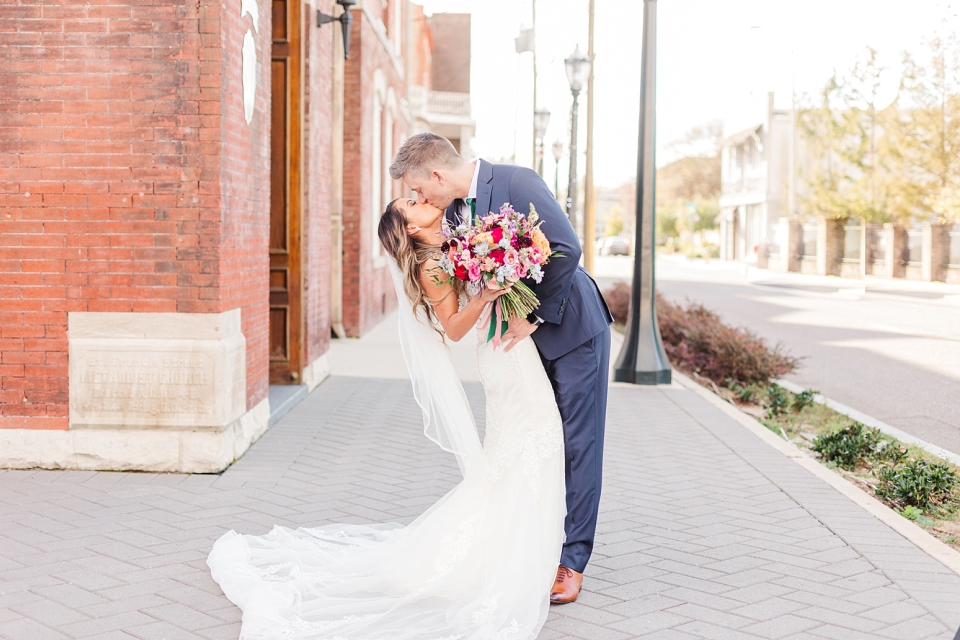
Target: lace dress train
pixel 477 565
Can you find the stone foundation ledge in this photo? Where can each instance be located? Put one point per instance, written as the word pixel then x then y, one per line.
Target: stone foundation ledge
pixel 119 449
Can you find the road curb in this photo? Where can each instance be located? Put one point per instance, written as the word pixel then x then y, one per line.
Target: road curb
pixel 870 421
pixel 912 532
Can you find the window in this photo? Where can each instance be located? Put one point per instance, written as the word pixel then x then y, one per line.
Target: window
pixel 389 117
pixel 880 248
pixel 809 241
pixel 851 243
pixel 954 259
pixel 377 165
pixel 914 246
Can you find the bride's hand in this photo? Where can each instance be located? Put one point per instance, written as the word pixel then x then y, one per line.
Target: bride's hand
pixel 491 292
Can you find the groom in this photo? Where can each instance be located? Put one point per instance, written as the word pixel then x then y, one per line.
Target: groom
pixel 571 328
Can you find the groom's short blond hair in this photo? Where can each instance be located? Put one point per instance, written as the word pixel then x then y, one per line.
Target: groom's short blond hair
pixel 422 153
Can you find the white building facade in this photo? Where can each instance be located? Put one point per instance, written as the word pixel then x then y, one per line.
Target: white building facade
pixel 755 173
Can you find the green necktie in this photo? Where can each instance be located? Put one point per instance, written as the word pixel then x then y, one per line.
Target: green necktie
pixel 473 208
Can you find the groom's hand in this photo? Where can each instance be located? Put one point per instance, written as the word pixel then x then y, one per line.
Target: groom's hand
pixel 517 330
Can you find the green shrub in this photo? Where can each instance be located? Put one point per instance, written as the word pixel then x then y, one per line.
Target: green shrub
pixel 775 401
pixel 893 453
pixel 849 447
pixel 916 483
pixel 745 393
pixel 804 399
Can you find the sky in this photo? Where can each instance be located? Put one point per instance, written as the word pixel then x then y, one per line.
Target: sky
pixel 716 59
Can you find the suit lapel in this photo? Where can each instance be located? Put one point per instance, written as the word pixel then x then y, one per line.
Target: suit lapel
pixel 484 188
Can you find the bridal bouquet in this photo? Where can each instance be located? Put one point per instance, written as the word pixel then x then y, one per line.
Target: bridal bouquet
pixel 502 248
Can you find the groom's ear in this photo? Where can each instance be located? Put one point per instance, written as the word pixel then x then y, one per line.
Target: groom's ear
pixel 439 176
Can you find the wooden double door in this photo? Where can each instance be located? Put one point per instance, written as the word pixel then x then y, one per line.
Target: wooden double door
pixel 286 194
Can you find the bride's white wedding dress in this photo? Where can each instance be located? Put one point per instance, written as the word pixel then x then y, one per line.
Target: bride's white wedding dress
pixel 478 564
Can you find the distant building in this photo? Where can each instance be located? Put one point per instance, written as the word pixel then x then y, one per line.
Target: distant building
pixel 755 175
pixel 439 92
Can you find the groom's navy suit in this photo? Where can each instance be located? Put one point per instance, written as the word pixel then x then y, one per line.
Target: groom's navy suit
pixel 573 340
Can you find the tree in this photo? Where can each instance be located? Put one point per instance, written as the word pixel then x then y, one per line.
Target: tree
pixel 848 173
pixel 695 175
pixel 667 223
pixel 614 220
pixel 927 125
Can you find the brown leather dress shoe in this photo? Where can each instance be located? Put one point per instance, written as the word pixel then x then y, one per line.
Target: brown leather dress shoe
pixel 566 588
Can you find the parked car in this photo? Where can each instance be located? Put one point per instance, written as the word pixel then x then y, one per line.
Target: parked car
pixel 614 246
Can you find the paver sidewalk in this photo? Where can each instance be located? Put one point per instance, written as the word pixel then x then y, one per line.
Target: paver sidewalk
pixel 705 530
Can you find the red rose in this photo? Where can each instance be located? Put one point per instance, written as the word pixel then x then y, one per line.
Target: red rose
pixel 461 272
pixel 497 256
pixel 497 234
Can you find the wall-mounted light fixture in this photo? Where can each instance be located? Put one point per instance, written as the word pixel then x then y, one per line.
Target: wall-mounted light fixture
pixel 345 19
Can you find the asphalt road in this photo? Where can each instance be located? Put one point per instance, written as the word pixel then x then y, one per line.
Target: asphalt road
pixel 889 349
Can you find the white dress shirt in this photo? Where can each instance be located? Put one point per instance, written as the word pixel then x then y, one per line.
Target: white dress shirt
pixel 464 207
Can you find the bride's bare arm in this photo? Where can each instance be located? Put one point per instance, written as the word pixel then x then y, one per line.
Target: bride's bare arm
pixel 456 322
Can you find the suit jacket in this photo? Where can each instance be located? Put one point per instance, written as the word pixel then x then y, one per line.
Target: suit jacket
pixel 571 307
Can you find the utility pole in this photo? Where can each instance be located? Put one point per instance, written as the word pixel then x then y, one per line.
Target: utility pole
pixel 534 110
pixel 589 199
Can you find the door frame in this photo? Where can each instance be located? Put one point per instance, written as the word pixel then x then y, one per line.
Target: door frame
pixel 287 46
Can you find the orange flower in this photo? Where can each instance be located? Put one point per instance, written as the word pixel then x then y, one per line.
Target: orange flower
pixel 540 242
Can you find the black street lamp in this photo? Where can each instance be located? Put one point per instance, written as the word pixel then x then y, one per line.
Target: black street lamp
pixel 642 359
pixel 344 19
pixel 541 118
pixel 578 71
pixel 557 149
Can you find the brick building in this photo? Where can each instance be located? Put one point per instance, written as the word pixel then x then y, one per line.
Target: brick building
pixel 177 182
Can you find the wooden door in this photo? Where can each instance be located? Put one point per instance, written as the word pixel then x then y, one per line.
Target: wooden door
pixel 286 317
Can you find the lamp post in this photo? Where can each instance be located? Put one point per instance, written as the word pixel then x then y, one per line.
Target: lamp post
pixel 541 118
pixel 344 19
pixel 557 149
pixel 642 359
pixel 578 70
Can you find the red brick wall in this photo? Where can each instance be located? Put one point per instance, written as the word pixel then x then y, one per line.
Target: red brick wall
pixel 129 181
pixel 239 187
pixel 317 170
pixel 367 291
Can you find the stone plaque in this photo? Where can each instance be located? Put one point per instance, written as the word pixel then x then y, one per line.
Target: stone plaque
pixel 143 377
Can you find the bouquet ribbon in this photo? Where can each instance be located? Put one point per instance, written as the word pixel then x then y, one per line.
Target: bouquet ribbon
pixel 496 322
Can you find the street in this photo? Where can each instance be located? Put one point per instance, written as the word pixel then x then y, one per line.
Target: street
pixel 892 352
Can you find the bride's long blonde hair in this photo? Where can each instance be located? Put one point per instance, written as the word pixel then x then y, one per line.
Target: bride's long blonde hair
pixel 411 253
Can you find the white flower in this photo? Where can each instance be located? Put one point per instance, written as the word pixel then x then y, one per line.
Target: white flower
pixel 536 273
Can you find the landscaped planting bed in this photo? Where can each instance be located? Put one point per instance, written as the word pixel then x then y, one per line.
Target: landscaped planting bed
pixel 741 367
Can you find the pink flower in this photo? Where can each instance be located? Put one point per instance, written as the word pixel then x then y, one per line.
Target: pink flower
pixel 511 256
pixel 521 270
pixel 474 271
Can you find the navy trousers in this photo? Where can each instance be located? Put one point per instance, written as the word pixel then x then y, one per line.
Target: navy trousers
pixel 579 381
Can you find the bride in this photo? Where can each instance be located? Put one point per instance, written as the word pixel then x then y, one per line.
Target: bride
pixel 478 564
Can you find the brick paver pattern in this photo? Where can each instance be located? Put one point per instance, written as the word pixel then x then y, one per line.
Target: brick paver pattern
pixel 705 531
